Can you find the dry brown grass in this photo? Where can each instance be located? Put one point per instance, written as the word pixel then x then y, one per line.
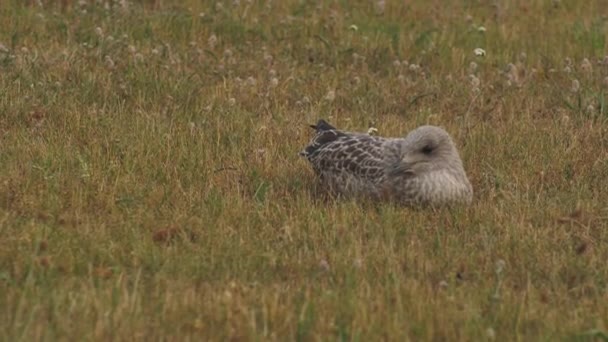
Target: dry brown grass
pixel 150 186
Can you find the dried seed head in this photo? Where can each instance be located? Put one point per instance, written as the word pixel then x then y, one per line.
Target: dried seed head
pixel 586 66
pixel 575 87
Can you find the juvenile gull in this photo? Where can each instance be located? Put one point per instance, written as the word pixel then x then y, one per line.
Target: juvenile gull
pixel 423 168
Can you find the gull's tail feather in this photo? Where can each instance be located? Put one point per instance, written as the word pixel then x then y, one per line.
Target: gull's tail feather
pixel 322 125
pixel 325 133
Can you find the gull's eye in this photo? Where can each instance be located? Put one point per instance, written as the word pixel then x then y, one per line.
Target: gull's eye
pixel 427 149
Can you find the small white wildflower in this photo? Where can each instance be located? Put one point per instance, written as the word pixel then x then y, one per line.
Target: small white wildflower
pixel 272 73
pixel 443 284
pixel 380 6
pixel 401 78
pixel 131 49
pixel 251 81
pixel 99 32
pixel 212 41
pixel 490 334
pixel 472 67
pixel 481 29
pixel 231 101
pixel 372 131
pixel 227 53
pixel 109 62
pixel 353 28
pixel 522 57
pixel 568 61
pixel 274 82
pixel 155 51
pixel 324 265
pixel 586 66
pixel 396 63
pixel 500 266
pixel 330 96
pixel 414 67
pixel 110 39
pixel 590 109
pixel 267 58
pixel 475 82
pixel 306 100
pixel 201 15
pixel 575 87
pixel 479 52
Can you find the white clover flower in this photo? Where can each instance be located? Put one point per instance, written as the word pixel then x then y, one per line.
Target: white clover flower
pixel 479 52
pixel 396 63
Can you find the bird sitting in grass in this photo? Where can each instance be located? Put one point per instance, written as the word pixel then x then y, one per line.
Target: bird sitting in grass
pixel 423 168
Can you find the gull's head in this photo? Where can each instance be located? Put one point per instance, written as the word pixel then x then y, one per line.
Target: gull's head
pixel 429 149
pixel 429 155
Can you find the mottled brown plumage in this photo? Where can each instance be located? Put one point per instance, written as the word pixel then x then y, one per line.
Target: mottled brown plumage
pixel 422 168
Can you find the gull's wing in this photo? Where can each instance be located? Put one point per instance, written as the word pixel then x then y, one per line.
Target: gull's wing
pixel 333 153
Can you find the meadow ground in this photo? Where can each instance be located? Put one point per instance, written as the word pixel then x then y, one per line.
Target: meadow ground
pixel 150 187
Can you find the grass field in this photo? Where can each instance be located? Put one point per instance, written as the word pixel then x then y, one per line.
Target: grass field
pixel 150 187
